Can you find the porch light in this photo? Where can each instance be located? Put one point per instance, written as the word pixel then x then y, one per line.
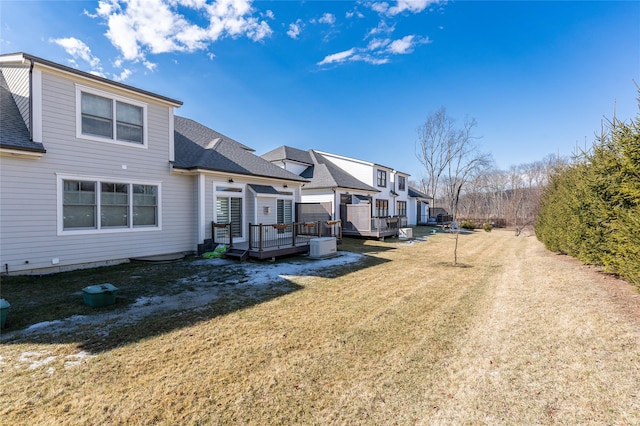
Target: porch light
pixel 266 209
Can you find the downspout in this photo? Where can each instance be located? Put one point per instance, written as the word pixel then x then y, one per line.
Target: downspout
pixel 333 213
pixel 31 99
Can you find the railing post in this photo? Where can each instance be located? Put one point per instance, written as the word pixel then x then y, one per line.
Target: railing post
pixel 250 236
pixel 294 234
pixel 230 235
pixel 260 238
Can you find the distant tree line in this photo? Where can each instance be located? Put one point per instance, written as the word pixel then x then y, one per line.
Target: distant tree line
pixel 591 208
pixel 588 208
pixel 508 197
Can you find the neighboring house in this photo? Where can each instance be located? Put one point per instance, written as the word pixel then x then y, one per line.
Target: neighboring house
pixel 418 207
pixel 369 199
pixel 94 172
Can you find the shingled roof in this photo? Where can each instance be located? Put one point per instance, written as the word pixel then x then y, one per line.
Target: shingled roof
pixel 199 147
pixel 413 192
pixel 14 133
pixel 289 153
pixel 321 172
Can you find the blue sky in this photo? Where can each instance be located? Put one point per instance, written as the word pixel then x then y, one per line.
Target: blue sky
pixel 358 78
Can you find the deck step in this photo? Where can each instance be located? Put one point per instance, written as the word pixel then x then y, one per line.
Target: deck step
pixel 237 254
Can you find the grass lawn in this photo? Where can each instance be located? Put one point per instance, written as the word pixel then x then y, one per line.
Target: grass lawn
pixel 388 333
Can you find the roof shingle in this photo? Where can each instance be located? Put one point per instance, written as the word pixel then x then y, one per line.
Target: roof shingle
pixel 199 147
pixel 14 133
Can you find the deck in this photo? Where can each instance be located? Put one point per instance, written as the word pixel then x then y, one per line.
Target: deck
pixel 275 240
pixel 375 227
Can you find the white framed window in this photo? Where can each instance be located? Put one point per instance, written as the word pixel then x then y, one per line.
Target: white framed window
pixel 382 178
pixel 229 208
pixel 284 212
pixel 382 208
pixel 106 117
pixel 103 205
pixel 402 183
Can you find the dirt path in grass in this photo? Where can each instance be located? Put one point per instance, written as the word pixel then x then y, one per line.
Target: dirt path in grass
pixel 555 342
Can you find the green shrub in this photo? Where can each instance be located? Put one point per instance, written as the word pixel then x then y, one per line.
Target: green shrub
pixel 591 209
pixel 487 227
pixel 467 224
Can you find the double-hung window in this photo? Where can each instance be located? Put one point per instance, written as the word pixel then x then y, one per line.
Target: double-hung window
pixel 107 117
pixel 107 206
pixel 284 213
pixel 402 183
pixel 402 208
pixel 382 208
pixel 382 178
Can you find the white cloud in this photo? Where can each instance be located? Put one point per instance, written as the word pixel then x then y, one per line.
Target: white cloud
pixel 149 65
pixel 354 14
pixel 402 46
pixel 123 75
pixel 380 7
pixel 400 6
pixel 413 6
pixel 295 29
pixel 382 28
pixel 377 52
pixel 337 57
pixel 378 43
pixel 372 59
pixel 327 18
pixel 139 27
pixel 78 50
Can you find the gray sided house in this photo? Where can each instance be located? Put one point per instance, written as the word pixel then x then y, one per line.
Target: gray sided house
pixel 233 187
pixel 94 172
pixel 369 199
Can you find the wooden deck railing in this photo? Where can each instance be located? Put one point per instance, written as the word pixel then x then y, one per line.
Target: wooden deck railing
pixel 221 233
pixel 385 223
pixel 279 235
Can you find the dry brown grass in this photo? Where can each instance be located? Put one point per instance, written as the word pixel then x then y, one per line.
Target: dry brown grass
pixel 516 336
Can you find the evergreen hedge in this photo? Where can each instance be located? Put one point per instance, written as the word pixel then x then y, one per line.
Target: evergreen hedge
pixel 591 208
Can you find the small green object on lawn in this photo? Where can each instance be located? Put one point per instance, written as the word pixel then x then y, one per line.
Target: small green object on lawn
pixel 4 310
pixel 99 295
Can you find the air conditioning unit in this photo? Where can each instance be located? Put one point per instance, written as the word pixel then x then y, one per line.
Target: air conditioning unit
pixel 322 247
pixel 405 233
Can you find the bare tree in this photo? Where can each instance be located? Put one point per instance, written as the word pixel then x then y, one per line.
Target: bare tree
pixel 450 157
pixel 439 142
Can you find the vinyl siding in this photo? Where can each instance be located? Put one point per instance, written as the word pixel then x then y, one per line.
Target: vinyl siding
pixel 18 81
pixel 28 190
pixel 361 171
pixel 295 168
pixel 266 219
pixel 311 196
pixel 252 205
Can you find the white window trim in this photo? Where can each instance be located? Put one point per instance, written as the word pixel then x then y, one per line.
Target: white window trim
pixel 60 178
pixel 80 88
pixel 240 194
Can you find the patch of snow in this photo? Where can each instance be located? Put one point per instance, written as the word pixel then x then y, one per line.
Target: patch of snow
pixel 77 359
pixel 35 359
pixel 206 288
pixel 44 324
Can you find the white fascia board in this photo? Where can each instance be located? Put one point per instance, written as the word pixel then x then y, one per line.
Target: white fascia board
pixel 113 86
